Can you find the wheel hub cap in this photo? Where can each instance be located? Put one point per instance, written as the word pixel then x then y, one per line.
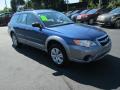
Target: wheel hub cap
pixel 57 56
pixel 14 41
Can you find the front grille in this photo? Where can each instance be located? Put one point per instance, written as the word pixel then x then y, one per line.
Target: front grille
pixel 104 40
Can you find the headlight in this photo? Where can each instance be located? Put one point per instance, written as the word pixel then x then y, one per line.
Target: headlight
pixel 112 18
pixel 84 43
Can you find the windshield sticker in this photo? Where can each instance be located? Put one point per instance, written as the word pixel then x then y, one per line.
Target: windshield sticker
pixel 43 18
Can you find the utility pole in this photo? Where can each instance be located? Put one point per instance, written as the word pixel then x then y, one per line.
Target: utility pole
pixel 5 4
pixel 100 3
pixel 27 3
pixel 67 1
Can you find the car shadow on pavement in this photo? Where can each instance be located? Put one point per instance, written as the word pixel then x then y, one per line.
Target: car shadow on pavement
pixel 103 74
pixel 109 27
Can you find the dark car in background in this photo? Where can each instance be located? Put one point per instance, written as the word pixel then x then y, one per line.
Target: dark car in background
pixel 60 37
pixel 112 18
pixel 74 12
pixel 74 16
pixel 5 18
pixel 68 13
pixel 91 16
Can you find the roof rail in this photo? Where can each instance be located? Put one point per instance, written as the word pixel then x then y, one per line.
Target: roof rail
pixel 28 9
pixel 25 10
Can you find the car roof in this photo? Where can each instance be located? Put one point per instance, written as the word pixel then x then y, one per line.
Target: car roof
pixel 5 13
pixel 36 11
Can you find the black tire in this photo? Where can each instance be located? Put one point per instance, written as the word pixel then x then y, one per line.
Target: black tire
pixel 74 19
pixel 91 21
pixel 117 23
pixel 62 50
pixel 15 44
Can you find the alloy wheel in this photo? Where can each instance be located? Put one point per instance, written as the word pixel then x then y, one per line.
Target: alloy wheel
pixel 57 56
pixel 14 40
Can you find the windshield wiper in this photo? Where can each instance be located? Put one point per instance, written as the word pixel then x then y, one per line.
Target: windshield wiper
pixel 62 24
pixel 68 23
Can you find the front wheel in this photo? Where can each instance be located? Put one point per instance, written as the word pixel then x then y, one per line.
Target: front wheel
pixel 58 55
pixel 91 21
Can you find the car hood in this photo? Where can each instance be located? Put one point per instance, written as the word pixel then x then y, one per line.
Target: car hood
pixel 107 15
pixel 79 31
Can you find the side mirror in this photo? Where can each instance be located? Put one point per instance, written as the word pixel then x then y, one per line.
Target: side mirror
pixel 36 24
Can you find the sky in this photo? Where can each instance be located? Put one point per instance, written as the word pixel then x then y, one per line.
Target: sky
pixel 2 3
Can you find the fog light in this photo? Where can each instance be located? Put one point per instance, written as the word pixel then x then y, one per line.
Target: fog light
pixel 88 58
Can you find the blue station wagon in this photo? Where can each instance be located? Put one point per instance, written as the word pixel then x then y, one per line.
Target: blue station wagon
pixel 54 33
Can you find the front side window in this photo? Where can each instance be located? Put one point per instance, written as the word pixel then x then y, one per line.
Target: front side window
pixel 31 19
pixel 117 10
pixel 51 19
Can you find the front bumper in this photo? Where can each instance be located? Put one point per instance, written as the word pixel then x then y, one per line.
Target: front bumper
pixel 108 23
pixel 86 55
pixel 104 21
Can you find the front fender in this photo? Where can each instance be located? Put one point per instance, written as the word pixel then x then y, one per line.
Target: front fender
pixel 61 41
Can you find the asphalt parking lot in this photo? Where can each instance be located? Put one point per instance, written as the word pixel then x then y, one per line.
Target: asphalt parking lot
pixel 30 69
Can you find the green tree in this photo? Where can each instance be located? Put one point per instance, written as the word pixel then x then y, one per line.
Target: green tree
pixel 51 4
pixel 91 4
pixel 29 5
pixel 114 4
pixel 15 3
pixel 5 10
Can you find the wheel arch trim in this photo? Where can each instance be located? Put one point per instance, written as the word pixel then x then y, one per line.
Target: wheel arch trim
pixel 59 40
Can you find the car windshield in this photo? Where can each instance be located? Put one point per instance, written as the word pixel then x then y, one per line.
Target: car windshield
pixel 92 11
pixel 84 11
pixel 69 12
pixel 117 10
pixel 75 12
pixel 52 19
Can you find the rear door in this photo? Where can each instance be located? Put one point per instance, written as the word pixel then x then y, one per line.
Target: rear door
pixel 20 27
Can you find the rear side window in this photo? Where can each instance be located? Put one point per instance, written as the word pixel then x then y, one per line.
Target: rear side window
pixel 3 15
pixel 22 19
pixel 84 11
pixel 14 19
pixel 31 19
pixel 93 11
pixel 8 14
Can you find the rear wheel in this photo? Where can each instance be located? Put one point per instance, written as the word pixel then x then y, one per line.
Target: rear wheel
pixel 74 19
pixel 15 40
pixel 117 24
pixel 58 55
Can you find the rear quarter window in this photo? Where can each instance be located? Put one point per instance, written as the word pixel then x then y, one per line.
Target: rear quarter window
pixel 22 19
pixel 14 18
